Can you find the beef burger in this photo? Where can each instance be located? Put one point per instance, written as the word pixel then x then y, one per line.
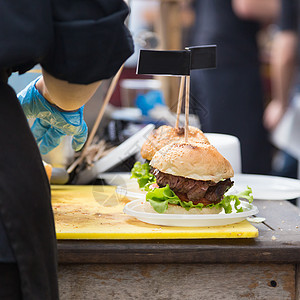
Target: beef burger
pixel 197 175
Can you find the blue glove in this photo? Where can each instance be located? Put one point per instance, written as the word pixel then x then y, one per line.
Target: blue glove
pixel 52 124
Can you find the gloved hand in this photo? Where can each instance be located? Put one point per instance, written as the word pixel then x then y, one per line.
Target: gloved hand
pixel 51 123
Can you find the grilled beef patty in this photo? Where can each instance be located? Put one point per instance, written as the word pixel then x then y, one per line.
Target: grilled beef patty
pixel 197 191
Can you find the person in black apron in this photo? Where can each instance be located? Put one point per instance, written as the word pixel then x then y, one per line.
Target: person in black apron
pixel 80 43
pixel 229 99
pixel 283 110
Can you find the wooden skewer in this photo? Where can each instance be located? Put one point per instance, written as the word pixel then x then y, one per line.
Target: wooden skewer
pixel 181 88
pixel 187 107
pixel 97 122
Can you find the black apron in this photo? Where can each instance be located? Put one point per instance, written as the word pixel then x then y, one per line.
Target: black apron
pixel 229 99
pixel 25 207
pixel 78 41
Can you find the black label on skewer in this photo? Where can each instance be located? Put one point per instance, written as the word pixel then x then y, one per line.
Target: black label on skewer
pixel 164 62
pixel 176 63
pixel 203 57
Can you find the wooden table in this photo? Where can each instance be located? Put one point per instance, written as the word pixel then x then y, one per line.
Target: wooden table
pixel 267 267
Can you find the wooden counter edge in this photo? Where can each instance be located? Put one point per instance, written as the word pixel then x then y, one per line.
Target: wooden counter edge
pixel 184 251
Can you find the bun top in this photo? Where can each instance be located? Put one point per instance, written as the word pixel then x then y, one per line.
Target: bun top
pixel 197 161
pixel 165 135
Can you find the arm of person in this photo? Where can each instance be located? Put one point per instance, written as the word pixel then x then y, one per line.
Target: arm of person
pixel 283 62
pixel 263 11
pixel 91 43
pixel 55 116
pixel 67 96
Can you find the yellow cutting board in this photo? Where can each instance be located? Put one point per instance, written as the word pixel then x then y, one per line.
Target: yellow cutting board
pixel 96 212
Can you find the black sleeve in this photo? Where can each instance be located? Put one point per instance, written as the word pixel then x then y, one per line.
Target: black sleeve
pixel 91 41
pixel 288 15
pixel 26 33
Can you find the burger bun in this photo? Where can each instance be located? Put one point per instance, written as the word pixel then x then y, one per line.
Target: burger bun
pixel 198 161
pixel 165 135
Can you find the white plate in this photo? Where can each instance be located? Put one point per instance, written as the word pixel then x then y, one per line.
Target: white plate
pixel 126 186
pixel 267 187
pixel 116 178
pixel 135 209
pixel 129 194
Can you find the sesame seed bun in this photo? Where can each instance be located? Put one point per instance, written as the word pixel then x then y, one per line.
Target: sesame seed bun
pixel 197 161
pixel 165 135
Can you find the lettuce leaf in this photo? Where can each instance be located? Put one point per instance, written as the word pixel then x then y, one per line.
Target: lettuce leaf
pixel 142 173
pixel 160 198
pixel 235 199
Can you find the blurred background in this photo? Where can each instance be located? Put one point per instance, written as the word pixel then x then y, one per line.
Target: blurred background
pixel 230 99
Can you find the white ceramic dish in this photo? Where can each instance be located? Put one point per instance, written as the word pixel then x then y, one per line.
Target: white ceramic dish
pixel 267 187
pixel 117 178
pixel 131 195
pixel 135 209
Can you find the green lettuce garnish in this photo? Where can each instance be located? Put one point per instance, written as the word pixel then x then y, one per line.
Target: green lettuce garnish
pixel 160 198
pixel 142 173
pixel 235 199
